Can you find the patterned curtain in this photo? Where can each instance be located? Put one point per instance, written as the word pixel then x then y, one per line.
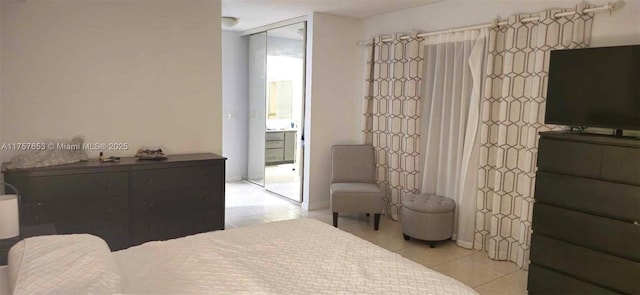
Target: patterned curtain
pixel 392 104
pixel 513 106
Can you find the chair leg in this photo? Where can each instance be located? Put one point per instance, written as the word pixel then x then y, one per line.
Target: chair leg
pixel 376 221
pixel 335 219
pixel 432 244
pixel 406 237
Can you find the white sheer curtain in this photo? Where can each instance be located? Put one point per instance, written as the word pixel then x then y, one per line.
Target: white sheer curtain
pixel 452 79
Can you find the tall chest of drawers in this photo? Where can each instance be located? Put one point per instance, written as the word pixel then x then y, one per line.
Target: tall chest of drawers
pixel 126 203
pixel 586 236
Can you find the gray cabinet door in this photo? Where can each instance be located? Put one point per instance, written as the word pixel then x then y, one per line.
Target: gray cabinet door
pixel 274 155
pixel 290 146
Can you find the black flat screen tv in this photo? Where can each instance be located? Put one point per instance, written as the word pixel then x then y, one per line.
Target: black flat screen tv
pixel 595 87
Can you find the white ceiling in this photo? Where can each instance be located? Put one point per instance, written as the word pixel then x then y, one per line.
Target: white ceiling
pixel 257 13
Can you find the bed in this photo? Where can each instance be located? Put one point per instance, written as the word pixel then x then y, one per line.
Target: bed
pixel 302 256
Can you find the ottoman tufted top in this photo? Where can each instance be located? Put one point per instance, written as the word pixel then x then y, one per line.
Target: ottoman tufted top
pixel 428 203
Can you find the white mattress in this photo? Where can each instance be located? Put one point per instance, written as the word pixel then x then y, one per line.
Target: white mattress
pixel 289 257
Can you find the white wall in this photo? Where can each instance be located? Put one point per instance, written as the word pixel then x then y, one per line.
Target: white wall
pixel 145 73
pixel 235 103
pixel 620 28
pixel 333 99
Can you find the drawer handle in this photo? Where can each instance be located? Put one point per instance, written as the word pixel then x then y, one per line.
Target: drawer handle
pixel 109 210
pixel 109 184
pixel 150 180
pixel 152 204
pixel 206 175
pixel 37 217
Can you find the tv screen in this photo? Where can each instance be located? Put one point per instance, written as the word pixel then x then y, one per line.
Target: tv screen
pixel 595 87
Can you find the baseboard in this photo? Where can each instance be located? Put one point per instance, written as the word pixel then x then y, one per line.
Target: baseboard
pixel 465 244
pixel 233 179
pixel 315 206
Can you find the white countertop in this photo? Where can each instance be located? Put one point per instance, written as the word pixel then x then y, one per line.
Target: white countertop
pixel 282 130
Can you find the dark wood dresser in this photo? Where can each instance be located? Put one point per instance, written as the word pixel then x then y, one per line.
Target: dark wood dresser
pixel 126 203
pixel 586 236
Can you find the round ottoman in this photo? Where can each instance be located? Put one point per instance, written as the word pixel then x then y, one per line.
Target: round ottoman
pixel 427 217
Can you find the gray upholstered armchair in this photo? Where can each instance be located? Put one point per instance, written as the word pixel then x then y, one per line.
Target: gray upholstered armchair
pixel 353 182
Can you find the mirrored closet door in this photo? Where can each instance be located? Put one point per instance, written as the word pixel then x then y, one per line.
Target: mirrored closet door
pixel 277 102
pixel 257 107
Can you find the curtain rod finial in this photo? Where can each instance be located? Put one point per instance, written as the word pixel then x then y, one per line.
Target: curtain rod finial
pixel 616 5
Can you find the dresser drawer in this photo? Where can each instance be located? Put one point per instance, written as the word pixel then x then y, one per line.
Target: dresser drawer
pixel 621 164
pixel 146 229
pixel 614 200
pixel 167 179
pixel 76 212
pixel 612 272
pixel 274 136
pixel 175 204
pixel 566 157
pixel 545 281
pixel 71 187
pixel 278 144
pixel 603 234
pixel 274 155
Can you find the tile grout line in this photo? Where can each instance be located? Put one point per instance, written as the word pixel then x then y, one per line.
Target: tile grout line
pixel 478 286
pixel 452 260
pixel 505 276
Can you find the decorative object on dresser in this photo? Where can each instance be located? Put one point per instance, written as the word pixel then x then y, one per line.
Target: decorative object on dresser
pixel 49 153
pixel 586 236
pixel 127 202
pixel 150 154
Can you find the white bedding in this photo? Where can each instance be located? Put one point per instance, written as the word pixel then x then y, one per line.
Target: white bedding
pixel 64 264
pixel 288 257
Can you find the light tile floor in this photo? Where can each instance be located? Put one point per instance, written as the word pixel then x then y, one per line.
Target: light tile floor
pixel 249 204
